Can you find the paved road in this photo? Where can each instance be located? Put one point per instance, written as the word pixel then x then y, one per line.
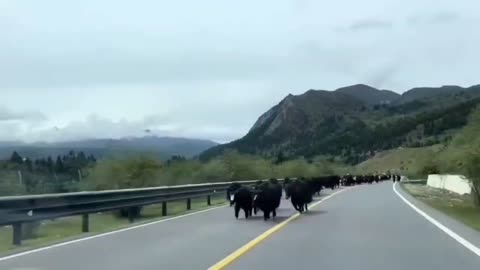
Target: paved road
pixel 193 242
pixel 367 227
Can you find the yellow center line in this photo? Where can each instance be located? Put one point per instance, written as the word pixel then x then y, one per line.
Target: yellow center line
pixel 250 245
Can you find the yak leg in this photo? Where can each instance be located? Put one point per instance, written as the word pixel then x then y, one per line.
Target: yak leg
pixel 266 215
pixel 246 212
pixel 237 210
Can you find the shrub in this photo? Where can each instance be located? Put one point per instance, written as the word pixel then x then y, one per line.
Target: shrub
pixel 430 169
pixel 472 171
pixel 130 173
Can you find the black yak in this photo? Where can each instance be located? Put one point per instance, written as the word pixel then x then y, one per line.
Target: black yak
pixel 300 194
pixel 243 199
pixel 231 190
pixel 286 183
pixel 277 188
pixel 267 199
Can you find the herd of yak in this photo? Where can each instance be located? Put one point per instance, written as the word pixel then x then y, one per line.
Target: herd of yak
pixel 266 195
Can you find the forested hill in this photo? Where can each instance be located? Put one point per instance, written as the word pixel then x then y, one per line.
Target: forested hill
pixel 351 123
pixel 161 147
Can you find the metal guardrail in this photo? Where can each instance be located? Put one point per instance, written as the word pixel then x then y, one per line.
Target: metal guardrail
pixel 16 210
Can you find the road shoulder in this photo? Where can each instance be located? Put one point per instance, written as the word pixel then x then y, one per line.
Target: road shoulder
pixel 454 225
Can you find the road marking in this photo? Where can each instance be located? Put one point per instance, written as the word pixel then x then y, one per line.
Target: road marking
pixel 105 234
pixel 439 225
pixel 250 245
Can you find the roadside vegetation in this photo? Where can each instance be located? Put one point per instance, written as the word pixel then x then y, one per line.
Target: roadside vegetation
pixel 460 207
pixel 415 163
pixel 20 177
pixel 460 156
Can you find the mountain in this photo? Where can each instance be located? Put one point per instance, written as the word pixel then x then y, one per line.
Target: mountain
pixel 370 95
pixel 162 147
pixel 446 91
pixel 354 122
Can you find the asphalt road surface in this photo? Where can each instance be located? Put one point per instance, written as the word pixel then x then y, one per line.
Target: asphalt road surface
pixel 365 227
pixel 192 242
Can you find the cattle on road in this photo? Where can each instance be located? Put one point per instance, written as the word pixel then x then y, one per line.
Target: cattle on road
pixel 300 192
pixel 267 198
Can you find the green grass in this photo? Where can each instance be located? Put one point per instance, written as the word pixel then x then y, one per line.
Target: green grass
pixel 460 207
pixel 69 228
pixel 407 161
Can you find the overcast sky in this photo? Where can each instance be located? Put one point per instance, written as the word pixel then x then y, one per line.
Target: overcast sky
pixel 209 69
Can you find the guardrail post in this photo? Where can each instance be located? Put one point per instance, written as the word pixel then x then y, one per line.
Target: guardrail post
pixel 209 202
pixel 17 234
pixel 85 225
pixel 164 209
pixel 131 217
pixel 189 204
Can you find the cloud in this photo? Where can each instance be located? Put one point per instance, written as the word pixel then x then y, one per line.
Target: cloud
pixel 433 18
pixel 95 126
pixel 29 116
pixel 370 24
pixel 206 70
pixel 444 17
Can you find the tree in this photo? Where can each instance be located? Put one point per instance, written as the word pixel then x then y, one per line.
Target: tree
pixel 430 168
pixel 29 164
pixel 175 158
pixel 82 159
pixel 472 171
pixel 16 158
pixel 59 168
pixel 280 158
pixel 130 173
pixel 50 164
pixel 92 159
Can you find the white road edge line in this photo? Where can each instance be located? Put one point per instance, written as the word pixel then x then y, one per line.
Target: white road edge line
pixel 439 225
pixel 105 234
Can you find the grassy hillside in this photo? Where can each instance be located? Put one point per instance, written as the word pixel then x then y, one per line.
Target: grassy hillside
pixel 461 155
pixel 407 161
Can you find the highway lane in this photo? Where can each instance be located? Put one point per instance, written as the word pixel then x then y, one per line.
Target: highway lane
pixel 367 227
pixel 192 242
